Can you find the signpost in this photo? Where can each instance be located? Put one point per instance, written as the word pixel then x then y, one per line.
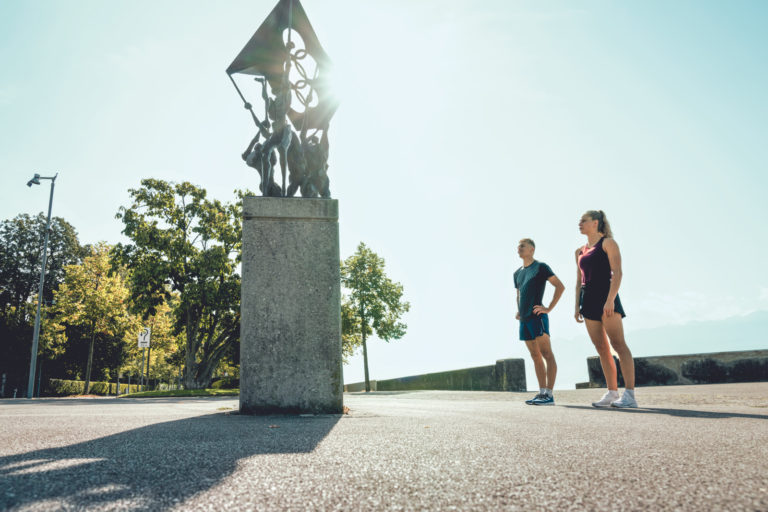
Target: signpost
pixel 144 337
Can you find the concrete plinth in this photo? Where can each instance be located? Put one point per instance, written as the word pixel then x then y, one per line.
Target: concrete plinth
pixel 290 333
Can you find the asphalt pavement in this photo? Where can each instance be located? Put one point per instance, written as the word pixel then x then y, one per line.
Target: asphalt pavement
pixel 686 448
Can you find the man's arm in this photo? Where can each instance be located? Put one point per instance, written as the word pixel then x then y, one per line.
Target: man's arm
pixel 517 316
pixel 559 289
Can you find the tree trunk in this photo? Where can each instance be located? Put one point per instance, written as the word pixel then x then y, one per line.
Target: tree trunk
pixel 88 366
pixel 190 369
pixel 365 363
pixel 190 365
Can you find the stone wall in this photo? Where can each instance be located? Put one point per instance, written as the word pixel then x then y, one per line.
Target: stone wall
pixel 505 375
pixel 708 368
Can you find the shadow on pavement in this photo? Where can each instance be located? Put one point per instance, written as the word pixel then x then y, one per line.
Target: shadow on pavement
pixel 155 466
pixel 67 402
pixel 381 393
pixel 683 413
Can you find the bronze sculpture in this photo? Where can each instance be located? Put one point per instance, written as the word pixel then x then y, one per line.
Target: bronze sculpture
pixel 296 130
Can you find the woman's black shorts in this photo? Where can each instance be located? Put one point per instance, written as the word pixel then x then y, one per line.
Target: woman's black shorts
pixel 591 303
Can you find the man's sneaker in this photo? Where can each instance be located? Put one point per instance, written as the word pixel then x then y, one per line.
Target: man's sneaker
pixel 530 402
pixel 608 398
pixel 544 400
pixel 625 401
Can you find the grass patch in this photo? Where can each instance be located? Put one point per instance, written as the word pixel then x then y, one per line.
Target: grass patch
pixel 184 392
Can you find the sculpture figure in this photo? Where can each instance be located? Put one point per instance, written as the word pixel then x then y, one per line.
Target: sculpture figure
pixel 303 156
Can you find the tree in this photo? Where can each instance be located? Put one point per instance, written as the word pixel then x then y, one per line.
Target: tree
pixel 93 299
pixel 187 244
pixel 21 245
pixel 351 330
pixel 374 303
pixel 164 345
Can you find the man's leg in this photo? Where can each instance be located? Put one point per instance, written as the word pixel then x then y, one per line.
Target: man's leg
pixel 538 363
pixel 544 345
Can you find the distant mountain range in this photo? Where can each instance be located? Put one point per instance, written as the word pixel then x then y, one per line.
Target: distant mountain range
pixel 748 332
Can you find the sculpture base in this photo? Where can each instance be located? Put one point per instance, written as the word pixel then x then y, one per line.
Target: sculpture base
pixel 290 332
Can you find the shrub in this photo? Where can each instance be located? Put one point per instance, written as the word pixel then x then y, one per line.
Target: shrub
pixel 226 383
pixel 61 387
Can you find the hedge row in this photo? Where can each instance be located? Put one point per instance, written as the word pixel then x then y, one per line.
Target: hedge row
pixel 60 387
pixel 226 383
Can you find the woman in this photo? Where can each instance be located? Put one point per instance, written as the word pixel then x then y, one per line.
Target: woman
pixel 597 304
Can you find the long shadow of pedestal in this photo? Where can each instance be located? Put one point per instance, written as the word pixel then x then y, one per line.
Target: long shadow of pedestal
pixel 152 467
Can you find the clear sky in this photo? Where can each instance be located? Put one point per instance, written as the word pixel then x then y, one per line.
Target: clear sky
pixel 463 127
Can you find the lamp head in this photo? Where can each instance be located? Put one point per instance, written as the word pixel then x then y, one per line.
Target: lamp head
pixel 34 181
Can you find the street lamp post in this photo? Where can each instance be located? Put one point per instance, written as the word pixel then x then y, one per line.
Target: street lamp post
pixel 36 336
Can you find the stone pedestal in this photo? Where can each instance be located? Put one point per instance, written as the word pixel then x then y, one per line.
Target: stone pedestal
pixel 290 334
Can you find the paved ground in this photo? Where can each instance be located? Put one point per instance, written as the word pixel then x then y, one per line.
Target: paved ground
pixel 689 448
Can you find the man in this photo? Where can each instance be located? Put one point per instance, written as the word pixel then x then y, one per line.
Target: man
pixel 530 281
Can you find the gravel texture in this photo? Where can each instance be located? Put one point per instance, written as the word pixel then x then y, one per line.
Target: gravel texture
pixel 687 448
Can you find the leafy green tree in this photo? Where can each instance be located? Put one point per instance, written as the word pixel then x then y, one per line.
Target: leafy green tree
pixel 187 244
pixel 95 300
pixel 165 343
pixel 374 303
pixel 21 244
pixel 351 330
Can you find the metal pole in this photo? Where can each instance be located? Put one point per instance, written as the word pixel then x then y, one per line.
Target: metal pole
pixel 36 335
pixel 39 377
pixel 141 370
pixel 149 354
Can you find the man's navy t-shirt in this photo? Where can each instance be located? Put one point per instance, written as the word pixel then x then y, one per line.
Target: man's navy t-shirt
pixel 531 281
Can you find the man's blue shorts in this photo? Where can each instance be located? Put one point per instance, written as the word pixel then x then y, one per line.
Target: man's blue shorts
pixel 534 327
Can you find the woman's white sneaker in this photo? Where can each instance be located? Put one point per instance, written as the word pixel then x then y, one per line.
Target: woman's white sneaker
pixel 608 399
pixel 626 401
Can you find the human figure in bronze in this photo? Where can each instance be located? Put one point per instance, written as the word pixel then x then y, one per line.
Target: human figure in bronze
pixel 290 133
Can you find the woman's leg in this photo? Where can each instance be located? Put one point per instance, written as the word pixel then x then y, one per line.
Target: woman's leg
pixel 600 340
pixel 614 327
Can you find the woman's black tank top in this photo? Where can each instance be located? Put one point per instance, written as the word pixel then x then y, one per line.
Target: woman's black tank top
pixel 595 267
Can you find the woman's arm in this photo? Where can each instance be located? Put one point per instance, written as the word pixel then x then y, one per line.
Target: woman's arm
pixel 611 248
pixel 577 314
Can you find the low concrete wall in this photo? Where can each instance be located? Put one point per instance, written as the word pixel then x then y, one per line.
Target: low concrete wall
pixel 505 375
pixel 359 386
pixel 708 368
